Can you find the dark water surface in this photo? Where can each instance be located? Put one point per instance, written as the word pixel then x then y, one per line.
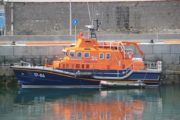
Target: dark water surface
pixel 90 104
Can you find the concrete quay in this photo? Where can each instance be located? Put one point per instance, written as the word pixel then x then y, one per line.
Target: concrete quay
pixel 169 53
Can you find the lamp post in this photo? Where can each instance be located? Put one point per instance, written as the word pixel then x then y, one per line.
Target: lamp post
pixel 70 18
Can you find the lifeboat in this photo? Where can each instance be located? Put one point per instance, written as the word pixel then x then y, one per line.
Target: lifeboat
pixel 91 64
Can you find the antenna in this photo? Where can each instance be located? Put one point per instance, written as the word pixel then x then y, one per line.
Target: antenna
pixel 89 12
pixel 93 28
pixel 91 31
pixel 97 23
pixel 94 25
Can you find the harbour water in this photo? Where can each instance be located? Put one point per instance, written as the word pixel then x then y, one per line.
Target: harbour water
pixel 90 104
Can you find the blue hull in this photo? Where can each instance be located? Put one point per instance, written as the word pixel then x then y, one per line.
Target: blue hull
pixel 54 78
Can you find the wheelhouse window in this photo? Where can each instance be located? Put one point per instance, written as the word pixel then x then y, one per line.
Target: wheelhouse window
pixel 72 54
pixel 108 56
pixel 79 54
pixel 87 55
pixel 65 52
pixel 101 56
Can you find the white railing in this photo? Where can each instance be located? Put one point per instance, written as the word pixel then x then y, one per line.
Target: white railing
pixel 154 65
pixel 22 63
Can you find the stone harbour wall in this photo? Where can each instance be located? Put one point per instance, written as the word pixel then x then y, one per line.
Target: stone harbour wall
pixel 115 17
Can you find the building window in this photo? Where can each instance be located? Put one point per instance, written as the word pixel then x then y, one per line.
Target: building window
pixel 108 56
pixel 87 55
pixel 101 56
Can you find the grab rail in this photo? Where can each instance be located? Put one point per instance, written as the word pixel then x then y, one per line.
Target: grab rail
pixel 154 65
pixel 22 63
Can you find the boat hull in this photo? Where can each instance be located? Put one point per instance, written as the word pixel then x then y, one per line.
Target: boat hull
pixel 32 77
pixel 43 79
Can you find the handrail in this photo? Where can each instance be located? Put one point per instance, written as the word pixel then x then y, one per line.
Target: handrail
pixel 115 78
pixel 122 48
pixel 23 63
pixel 153 65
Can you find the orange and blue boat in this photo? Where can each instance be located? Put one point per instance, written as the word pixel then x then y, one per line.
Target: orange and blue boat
pixel 91 64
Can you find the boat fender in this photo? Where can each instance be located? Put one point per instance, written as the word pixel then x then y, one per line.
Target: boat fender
pixel 159 65
pixel 77 74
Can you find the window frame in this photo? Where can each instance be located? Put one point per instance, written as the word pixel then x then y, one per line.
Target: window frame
pixel 74 54
pixel 100 55
pixel 109 56
pixel 86 53
pixel 77 54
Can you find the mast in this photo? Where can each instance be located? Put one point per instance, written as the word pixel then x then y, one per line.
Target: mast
pixel 93 28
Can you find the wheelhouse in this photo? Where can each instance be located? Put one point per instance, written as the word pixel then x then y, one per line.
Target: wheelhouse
pixel 89 54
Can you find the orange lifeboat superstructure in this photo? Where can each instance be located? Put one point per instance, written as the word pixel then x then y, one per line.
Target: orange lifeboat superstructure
pixel 90 54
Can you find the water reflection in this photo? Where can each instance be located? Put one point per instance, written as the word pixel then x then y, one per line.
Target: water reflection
pixel 86 104
pixel 89 104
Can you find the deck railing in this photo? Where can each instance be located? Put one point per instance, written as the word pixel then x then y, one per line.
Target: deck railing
pixel 153 65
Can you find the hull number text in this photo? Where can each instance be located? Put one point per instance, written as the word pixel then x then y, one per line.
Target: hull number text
pixel 41 75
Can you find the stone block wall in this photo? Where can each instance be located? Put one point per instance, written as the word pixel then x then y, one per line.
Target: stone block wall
pixel 115 17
